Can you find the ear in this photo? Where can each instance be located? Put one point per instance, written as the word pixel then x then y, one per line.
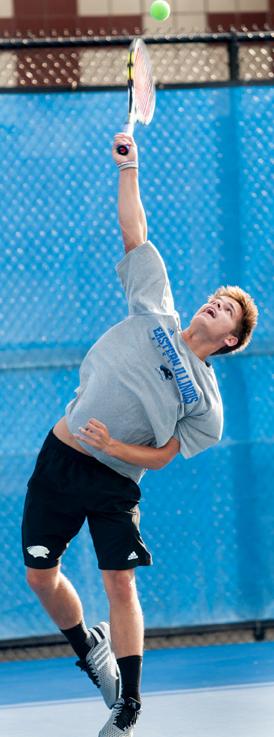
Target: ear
pixel 231 340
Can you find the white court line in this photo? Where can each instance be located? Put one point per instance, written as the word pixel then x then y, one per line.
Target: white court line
pixel 222 712
pixel 87 699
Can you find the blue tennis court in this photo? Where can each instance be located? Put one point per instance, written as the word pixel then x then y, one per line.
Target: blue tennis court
pixel 216 691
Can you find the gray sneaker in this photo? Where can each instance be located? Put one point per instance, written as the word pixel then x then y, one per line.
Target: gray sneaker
pixel 123 717
pixel 101 666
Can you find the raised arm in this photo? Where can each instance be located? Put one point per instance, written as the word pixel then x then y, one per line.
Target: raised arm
pixel 132 216
pixel 96 435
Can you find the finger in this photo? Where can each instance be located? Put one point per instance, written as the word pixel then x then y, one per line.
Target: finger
pixel 86 431
pixel 123 135
pixel 123 139
pixel 91 441
pixel 83 436
pixel 95 432
pixel 90 434
pixel 96 423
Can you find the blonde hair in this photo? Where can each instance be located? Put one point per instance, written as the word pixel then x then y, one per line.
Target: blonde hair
pixel 245 324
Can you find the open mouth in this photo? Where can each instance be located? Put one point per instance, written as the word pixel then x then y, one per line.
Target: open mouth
pixel 210 311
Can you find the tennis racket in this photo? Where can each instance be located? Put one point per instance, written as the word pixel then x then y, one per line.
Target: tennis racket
pixel 141 90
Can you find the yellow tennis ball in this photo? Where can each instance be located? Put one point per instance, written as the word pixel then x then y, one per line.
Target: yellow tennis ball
pixel 160 10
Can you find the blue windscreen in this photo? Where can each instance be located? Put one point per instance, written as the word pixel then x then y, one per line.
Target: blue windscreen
pixel 206 186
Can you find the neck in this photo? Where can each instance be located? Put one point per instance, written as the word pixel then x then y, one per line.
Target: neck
pixel 199 346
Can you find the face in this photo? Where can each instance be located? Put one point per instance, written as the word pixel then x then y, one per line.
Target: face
pixel 218 319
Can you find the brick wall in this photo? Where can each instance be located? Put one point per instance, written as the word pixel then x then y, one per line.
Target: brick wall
pixel 101 17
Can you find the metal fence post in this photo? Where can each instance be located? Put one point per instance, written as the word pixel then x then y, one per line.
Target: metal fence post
pixel 233 52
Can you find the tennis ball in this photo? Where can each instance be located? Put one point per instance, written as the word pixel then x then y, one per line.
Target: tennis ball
pixel 160 10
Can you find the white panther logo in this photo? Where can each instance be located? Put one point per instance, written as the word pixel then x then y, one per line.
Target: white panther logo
pixel 38 551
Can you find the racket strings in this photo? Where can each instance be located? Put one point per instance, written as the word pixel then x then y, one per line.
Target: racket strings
pixel 144 87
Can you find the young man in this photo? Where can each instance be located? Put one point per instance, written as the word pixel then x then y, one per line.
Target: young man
pixel 146 393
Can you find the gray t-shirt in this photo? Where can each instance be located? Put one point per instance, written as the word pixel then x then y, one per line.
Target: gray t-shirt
pixel 141 379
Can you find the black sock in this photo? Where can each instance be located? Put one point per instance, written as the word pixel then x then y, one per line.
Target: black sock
pixel 130 669
pixel 80 639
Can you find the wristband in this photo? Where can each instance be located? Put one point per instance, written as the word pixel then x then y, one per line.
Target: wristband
pixel 128 165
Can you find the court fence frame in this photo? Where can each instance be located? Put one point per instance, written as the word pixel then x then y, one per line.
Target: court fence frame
pixel 232 42
pixel 56 645
pixel 235 60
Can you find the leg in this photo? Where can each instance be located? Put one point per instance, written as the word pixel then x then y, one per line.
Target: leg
pixel 127 631
pixel 54 512
pixel 127 628
pixel 61 601
pixel 126 618
pixel 57 595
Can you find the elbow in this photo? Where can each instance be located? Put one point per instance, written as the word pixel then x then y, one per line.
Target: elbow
pixel 168 457
pixel 161 463
pixel 133 236
pixel 154 464
pixel 165 454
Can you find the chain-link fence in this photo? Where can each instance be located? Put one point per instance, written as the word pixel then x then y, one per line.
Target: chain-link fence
pixel 209 202
pixel 37 648
pixel 77 64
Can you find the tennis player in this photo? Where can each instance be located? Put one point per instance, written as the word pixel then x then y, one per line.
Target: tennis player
pixel 146 393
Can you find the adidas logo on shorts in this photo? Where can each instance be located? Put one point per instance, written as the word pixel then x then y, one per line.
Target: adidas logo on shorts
pixel 133 556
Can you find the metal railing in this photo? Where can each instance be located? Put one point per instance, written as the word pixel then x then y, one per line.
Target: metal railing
pixel 73 63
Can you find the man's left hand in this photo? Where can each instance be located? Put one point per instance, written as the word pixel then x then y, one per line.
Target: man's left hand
pixel 95 434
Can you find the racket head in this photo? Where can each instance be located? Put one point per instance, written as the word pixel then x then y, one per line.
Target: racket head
pixel 141 88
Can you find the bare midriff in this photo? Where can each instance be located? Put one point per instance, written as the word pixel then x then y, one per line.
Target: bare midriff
pixel 62 433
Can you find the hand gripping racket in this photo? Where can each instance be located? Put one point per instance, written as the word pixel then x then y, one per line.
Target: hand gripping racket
pixel 141 89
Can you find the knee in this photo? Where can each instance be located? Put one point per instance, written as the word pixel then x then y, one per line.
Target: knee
pixel 42 580
pixel 120 585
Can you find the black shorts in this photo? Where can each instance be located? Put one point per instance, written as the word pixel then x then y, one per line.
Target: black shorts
pixel 67 487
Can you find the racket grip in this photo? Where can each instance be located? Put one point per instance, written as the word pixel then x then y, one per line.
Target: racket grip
pixel 123 149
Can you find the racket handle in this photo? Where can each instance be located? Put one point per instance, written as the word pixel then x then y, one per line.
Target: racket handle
pixel 123 149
